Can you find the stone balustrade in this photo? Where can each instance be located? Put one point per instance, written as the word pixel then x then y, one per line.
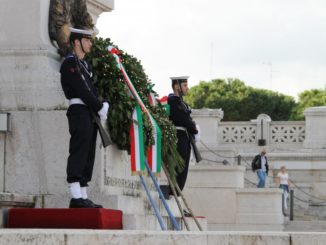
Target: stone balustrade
pixel 284 133
pixel 308 134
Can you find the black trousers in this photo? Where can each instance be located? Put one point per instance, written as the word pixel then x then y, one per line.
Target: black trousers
pixel 82 145
pixel 184 149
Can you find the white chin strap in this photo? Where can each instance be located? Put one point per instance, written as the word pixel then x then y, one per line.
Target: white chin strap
pixel 180 90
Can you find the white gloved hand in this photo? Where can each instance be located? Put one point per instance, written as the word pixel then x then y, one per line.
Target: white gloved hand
pixel 197 136
pixel 104 111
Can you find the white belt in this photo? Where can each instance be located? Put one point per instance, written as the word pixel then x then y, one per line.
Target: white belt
pixel 180 128
pixel 76 101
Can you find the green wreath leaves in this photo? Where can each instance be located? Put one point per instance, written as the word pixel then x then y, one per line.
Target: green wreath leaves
pixel 111 86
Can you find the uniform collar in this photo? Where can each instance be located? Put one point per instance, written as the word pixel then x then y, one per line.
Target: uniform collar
pixel 173 95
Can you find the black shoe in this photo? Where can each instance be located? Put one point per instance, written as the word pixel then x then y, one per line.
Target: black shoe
pixel 186 213
pixel 166 191
pixel 79 203
pixel 93 204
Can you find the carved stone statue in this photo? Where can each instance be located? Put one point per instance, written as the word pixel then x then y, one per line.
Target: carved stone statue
pixel 64 14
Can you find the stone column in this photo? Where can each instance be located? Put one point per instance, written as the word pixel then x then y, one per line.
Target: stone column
pixel 208 120
pixel 315 127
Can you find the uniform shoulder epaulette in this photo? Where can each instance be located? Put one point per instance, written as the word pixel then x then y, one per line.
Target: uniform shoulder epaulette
pixel 69 56
pixel 173 98
pixel 69 59
pixel 170 96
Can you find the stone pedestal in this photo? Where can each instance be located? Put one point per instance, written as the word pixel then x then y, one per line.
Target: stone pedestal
pixel 210 190
pixel 315 124
pixel 259 208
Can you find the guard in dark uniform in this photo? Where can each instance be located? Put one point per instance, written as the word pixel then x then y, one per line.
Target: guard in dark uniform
pixel 180 116
pixel 78 87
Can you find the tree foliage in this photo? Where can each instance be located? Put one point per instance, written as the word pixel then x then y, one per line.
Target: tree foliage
pixel 240 102
pixel 308 98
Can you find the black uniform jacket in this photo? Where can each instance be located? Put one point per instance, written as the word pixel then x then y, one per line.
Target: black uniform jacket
pixel 73 85
pixel 180 114
pixel 256 163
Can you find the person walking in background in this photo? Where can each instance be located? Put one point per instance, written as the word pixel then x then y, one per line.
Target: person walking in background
pixel 260 165
pixel 283 181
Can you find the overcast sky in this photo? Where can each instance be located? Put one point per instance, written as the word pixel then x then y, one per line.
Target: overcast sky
pixel 272 44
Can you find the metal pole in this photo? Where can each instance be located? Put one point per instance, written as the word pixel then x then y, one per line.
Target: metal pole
pixel 157 213
pixel 291 204
pixel 183 199
pixel 172 186
pixel 187 206
pixel 283 204
pixel 172 218
pixel 261 129
pixel 261 141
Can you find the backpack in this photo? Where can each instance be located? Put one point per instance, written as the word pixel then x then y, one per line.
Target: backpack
pixel 255 163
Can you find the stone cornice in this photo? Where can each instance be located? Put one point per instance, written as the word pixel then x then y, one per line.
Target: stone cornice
pixel 315 111
pixel 290 156
pixel 214 167
pixel 208 113
pixel 102 5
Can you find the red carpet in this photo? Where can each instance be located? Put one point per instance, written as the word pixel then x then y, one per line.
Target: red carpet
pixel 64 218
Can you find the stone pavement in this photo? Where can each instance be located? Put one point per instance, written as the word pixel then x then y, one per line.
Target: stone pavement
pixel 115 237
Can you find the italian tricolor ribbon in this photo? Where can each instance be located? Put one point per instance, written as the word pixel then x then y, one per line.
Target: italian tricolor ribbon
pixel 152 99
pixel 154 153
pixel 137 141
pixel 164 103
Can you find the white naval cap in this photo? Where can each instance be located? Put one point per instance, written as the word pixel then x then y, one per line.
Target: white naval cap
pixel 180 79
pixel 81 33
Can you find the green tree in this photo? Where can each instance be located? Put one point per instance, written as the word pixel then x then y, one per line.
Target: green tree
pixel 240 102
pixel 308 98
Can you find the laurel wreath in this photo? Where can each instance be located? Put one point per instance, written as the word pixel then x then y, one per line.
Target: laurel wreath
pixel 110 84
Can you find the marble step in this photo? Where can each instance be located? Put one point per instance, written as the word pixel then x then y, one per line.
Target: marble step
pixel 301 225
pixel 147 222
pixel 76 236
pixel 192 224
pixel 150 222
